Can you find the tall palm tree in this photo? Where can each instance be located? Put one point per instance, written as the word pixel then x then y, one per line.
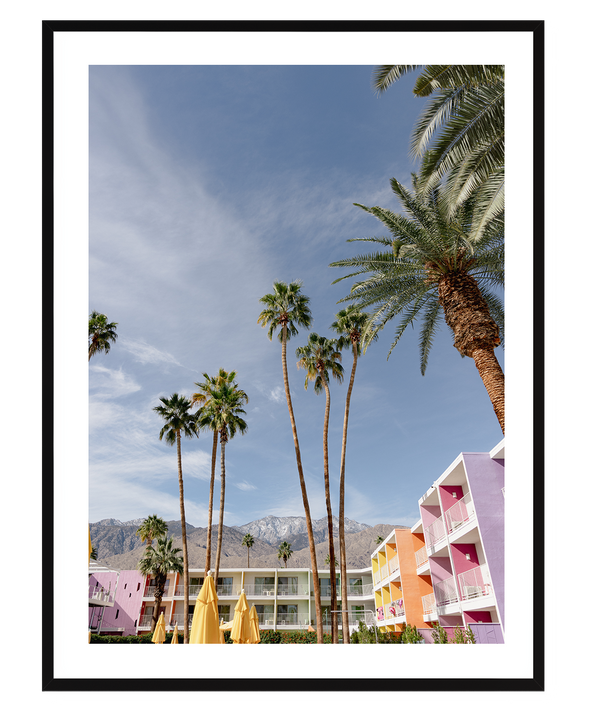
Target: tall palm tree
pixel 284 311
pixel 160 561
pixel 432 267
pixel 152 527
pixel 223 412
pixel 100 334
pixel 460 134
pixel 200 398
pixel 175 412
pixel 320 358
pixel 285 552
pixel 350 324
pixel 248 542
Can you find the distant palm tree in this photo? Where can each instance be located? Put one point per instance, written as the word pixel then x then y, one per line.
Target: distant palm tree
pixel 284 310
pixel 248 541
pixel 350 324
pixel 434 267
pixel 320 358
pixel 152 527
pixel 175 412
pixel 94 554
pixel 328 561
pixel 100 333
pixel 160 561
pixel 200 398
pixel 223 412
pixel 285 552
pixel 379 540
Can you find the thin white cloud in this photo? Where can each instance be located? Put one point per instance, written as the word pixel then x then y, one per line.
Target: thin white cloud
pixel 144 353
pixel 244 485
pixel 108 383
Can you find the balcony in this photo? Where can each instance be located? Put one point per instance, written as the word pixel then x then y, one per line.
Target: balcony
pixel 434 532
pixel 149 591
pixel 475 583
pixel 99 595
pixel 376 577
pixel 287 590
pixel 297 618
pixel 445 592
pixel 394 610
pixel 429 607
pixel 359 590
pixel 394 564
pixel 254 590
pixel 421 557
pixel 460 513
pixel 194 590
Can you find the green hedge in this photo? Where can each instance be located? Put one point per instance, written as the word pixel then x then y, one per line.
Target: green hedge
pixel 267 637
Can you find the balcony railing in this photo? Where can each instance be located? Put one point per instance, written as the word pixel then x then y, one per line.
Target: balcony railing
pixel 298 618
pixel 421 557
pixel 445 592
pixel 253 590
pixel 384 571
pixel 474 583
pixel 429 606
pixel 394 610
pixel 460 513
pixel 101 594
pixel 150 589
pixel 285 590
pixel 377 577
pixel 359 590
pixel 194 590
pixel 434 532
pixel 394 564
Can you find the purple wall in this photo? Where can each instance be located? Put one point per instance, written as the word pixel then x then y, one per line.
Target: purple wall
pixel 128 601
pixel 489 634
pixel 486 480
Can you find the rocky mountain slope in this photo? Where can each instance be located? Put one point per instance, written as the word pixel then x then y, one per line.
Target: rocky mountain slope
pixel 119 547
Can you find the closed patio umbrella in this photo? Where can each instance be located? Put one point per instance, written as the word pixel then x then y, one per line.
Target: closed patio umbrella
pixel 240 632
pixel 159 630
pixel 175 638
pixel 205 623
pixel 254 629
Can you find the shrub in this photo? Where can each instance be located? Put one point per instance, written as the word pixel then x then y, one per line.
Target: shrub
pixel 411 636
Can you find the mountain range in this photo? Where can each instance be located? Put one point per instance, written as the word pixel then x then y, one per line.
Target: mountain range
pixel 119 547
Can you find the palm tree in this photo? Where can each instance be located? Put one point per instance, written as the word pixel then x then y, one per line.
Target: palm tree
pixel 319 358
pixel 349 324
pixel 100 334
pixel 433 267
pixel 285 552
pixel 284 310
pixel 328 561
pixel 460 135
pixel 248 541
pixel 175 412
pixel 152 527
pixel 160 561
pixel 378 540
pixel 200 398
pixel 222 412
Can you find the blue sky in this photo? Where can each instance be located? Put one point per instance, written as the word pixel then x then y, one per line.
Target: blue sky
pixel 207 183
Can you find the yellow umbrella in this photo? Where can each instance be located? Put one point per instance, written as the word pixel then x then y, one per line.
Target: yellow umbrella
pixel 254 629
pixel 205 623
pixel 175 638
pixel 240 632
pixel 159 630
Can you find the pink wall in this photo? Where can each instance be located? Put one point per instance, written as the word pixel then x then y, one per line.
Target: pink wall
pixel 429 513
pixel 446 497
pixel 128 600
pixel 477 615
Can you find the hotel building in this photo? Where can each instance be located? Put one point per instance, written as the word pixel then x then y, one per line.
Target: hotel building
pixel 449 567
pixel 283 597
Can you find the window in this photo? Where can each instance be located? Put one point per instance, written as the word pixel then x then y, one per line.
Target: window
pixel 116 614
pixel 266 614
pixel 224 612
pixel 287 614
pixel 266 586
pixel 287 586
pixel 224 586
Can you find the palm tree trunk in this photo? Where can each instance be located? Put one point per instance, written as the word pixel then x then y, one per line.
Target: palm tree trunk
pixel 210 503
pixel 158 594
pixel 476 334
pixel 342 527
pixel 186 581
pixel 493 379
pixel 332 572
pixel 311 539
pixel 221 510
